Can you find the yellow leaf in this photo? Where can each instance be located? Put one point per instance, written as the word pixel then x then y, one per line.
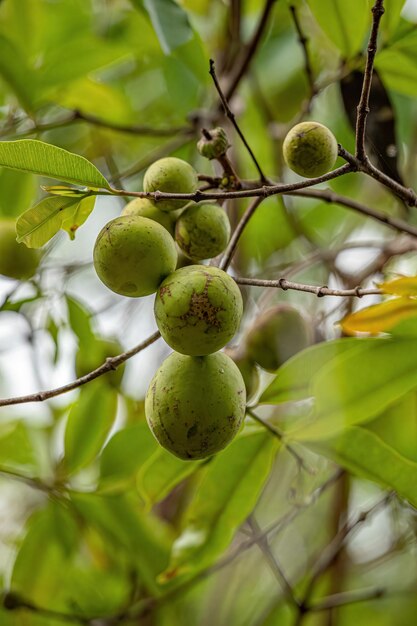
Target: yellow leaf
pixel 404 286
pixel 380 318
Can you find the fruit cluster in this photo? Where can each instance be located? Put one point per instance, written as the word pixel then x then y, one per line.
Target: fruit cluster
pixel 196 401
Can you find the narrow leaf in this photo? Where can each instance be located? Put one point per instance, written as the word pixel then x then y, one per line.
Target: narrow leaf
pixel 404 286
pixel 227 494
pixel 170 23
pixel 363 453
pixel 89 423
pixel 37 157
pixel 380 318
pixel 359 386
pixel 293 379
pixel 38 225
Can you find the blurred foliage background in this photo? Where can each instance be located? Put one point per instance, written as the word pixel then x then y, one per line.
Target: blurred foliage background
pixel 98 525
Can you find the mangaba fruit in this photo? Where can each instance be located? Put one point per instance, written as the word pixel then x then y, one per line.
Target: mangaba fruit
pixel 89 357
pixel 310 149
pixel 133 255
pixel 170 175
pixel 195 405
pixel 202 231
pixel 213 144
pixel 277 334
pixel 16 259
pixel 143 207
pixel 198 309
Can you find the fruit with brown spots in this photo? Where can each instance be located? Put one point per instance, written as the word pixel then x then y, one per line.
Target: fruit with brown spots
pixel 170 175
pixel 16 259
pixel 277 334
pixel 198 309
pixel 310 149
pixel 133 255
pixel 196 405
pixel 145 208
pixel 202 231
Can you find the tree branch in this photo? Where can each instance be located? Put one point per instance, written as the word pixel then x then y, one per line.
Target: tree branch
pixel 320 292
pixel 303 42
pixel 363 106
pixel 110 364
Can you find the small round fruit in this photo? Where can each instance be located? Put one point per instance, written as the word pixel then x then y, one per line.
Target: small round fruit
pixel 310 149
pixel 277 334
pixel 213 144
pixel 195 405
pixel 133 255
pixel 202 231
pixel 16 259
pixel 247 368
pixel 144 208
pixel 170 175
pixel 198 309
pixel 91 357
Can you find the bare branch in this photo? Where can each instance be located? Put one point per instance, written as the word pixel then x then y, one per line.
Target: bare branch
pixel 110 364
pixel 363 106
pixel 304 45
pixel 320 292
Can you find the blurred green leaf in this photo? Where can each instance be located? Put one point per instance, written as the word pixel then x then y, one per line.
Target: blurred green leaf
pixel 161 473
pixel 79 318
pixel 169 20
pixel 142 538
pixel 17 192
pixel 37 157
pixel 88 425
pixel 229 489
pixel 16 446
pixel 125 453
pixel 359 385
pixel 39 224
pixel 363 453
pixel 345 23
pixel 293 379
pixel 396 63
pixel 14 69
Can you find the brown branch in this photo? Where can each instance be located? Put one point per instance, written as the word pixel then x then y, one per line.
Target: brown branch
pixel 304 45
pixel 110 364
pixel 232 118
pixel 347 597
pixel 320 292
pixel 405 193
pixel 363 106
pixel 250 50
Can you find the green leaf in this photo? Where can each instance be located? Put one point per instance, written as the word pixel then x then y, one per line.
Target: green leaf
pixel 125 453
pixel 37 157
pixel 363 453
pixel 397 66
pixel 293 379
pixel 79 318
pixel 18 191
pixel 161 473
pixel 15 71
pixel 228 492
pixel 392 16
pixel 39 224
pixel 397 426
pixel 88 425
pixel 360 385
pixel 170 22
pixel 345 23
pixel 142 538
pixel 16 446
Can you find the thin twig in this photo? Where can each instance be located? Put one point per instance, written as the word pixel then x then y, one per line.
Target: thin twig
pixel 304 45
pixel 363 106
pixel 347 597
pixel 320 292
pixel 237 233
pixel 232 118
pixel 250 50
pixel 276 432
pixel 110 364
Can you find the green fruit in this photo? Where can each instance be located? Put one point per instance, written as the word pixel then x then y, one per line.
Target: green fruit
pixel 133 255
pixel 90 357
pixel 195 405
pixel 198 309
pixel 16 259
pixel 143 207
pixel 277 335
pixel 213 144
pixel 202 231
pixel 248 370
pixel 310 149
pixel 170 175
